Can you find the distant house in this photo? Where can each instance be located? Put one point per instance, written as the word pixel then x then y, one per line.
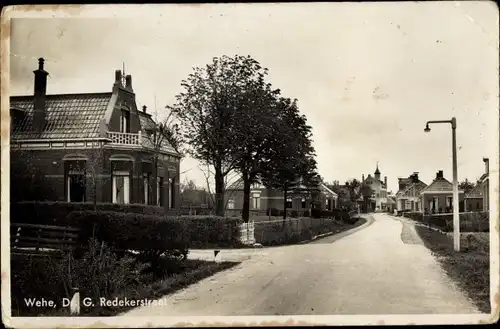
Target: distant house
pixel 474 199
pixel 263 198
pixel 78 141
pixel 408 196
pixel 438 196
pixel 378 199
pixel 391 203
pixel 484 185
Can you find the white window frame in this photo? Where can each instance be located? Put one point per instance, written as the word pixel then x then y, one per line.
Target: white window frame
pixel 158 191
pixel 124 121
pixel 146 189
pixel 255 200
pixel 230 204
pixel 449 201
pixel 126 186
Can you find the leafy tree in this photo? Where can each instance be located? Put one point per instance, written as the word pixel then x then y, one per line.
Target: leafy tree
pixel 210 109
pixel 193 196
pixel 366 193
pixel 284 165
pixel 466 186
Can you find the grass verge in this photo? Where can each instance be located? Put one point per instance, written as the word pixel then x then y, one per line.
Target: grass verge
pixel 470 268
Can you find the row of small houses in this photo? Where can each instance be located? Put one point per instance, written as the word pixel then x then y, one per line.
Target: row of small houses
pixel 416 196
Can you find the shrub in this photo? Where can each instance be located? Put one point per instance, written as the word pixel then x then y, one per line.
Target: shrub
pixel 469 222
pixel 98 273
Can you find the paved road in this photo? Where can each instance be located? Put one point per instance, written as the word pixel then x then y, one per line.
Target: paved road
pixel 381 269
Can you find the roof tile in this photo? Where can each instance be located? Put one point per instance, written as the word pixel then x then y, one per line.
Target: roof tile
pixel 68 116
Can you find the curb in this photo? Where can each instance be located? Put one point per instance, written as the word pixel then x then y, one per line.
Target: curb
pixel 369 221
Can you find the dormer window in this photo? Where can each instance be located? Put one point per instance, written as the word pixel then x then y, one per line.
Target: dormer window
pixel 16 118
pixel 125 121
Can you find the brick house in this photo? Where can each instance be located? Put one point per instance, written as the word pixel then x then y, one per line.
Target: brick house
pixel 484 185
pixel 93 146
pixel 378 199
pixel 438 196
pixel 408 196
pixel 474 199
pixel 263 198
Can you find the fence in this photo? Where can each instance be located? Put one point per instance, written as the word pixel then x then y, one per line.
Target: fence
pixel 247 233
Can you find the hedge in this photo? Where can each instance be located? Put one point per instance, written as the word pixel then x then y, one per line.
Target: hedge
pixel 339 214
pixel 140 232
pixel 469 222
pixel 139 220
pixel 295 230
pixel 52 213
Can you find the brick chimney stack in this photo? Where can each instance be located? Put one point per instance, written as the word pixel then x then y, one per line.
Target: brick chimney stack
pixel 144 108
pixel 486 165
pixel 363 178
pixel 118 80
pixel 40 94
pixel 128 82
pixel 439 174
pixel 385 181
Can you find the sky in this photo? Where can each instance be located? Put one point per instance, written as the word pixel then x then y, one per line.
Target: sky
pixel 367 75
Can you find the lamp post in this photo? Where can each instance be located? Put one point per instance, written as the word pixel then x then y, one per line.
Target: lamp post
pixel 456 222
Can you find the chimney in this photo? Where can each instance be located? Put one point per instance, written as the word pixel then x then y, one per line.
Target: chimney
pixel 385 181
pixel 144 108
pixel 439 174
pixel 39 110
pixel 363 178
pixel 118 79
pixel 415 177
pixel 486 165
pixel 128 82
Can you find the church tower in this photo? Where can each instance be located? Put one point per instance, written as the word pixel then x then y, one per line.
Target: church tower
pixel 377 173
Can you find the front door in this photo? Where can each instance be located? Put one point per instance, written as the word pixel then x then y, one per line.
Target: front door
pixel 76 186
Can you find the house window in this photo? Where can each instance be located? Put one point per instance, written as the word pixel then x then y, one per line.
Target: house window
pixel 255 200
pixel 449 202
pixel 146 188
pixel 159 196
pixel 303 205
pixel 121 187
pixel 477 205
pixel 289 203
pixel 230 204
pixel 435 204
pixel 125 121
pixel 75 181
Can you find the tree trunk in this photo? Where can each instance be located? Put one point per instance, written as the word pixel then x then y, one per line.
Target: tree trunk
pixel 219 190
pixel 155 181
pixel 246 197
pixel 285 196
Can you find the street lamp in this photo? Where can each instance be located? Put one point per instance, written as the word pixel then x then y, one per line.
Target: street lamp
pixel 456 223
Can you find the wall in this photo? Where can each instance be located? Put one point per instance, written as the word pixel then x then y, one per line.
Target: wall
pixel 51 166
pixel 441 200
pixel 474 204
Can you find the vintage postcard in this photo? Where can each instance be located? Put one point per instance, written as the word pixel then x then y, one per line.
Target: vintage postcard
pixel 250 164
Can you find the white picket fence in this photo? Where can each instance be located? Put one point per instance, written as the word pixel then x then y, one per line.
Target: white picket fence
pixel 247 233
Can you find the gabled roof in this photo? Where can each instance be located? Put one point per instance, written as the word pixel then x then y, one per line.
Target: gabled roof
pixel 328 189
pixel 67 116
pixel 439 185
pixel 418 185
pixel 147 122
pixel 475 193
